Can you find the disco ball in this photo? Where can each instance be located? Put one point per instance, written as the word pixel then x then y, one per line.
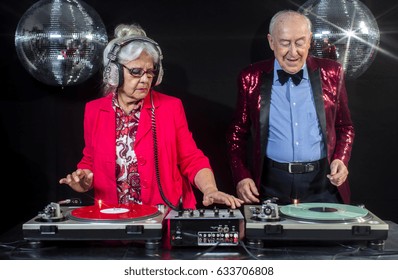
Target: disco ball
pixel 60 42
pixel 343 30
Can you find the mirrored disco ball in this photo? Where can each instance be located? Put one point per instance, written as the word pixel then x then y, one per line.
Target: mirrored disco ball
pixel 60 42
pixel 343 30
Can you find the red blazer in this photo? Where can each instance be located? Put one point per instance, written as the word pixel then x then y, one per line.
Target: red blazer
pixel 179 157
pixel 248 133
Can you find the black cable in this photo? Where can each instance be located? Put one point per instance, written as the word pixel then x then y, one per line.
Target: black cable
pixel 243 245
pixel 156 157
pixel 198 255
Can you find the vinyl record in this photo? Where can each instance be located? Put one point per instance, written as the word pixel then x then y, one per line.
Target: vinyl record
pixel 113 213
pixel 324 212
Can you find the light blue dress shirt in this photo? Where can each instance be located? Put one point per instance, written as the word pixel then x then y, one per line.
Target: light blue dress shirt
pixel 294 130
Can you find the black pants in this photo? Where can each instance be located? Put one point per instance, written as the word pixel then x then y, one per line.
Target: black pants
pixel 313 186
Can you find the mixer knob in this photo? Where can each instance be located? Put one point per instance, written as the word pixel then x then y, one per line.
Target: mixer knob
pixel 216 211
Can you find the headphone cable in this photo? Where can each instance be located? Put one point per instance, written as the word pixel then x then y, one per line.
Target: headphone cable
pixel 156 157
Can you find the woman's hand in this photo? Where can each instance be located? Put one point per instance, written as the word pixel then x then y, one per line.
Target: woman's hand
pixel 80 180
pixel 216 196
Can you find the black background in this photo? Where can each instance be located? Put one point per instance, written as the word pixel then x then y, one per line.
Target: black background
pixel 205 44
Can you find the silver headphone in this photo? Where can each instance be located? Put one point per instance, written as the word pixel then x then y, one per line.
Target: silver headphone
pixel 114 68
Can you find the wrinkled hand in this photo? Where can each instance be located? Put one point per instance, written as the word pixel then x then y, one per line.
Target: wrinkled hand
pixel 247 191
pixel 221 198
pixel 80 180
pixel 338 172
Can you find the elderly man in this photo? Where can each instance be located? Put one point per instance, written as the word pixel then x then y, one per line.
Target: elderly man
pixel 292 134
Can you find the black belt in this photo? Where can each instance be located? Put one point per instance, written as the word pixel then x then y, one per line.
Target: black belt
pixel 296 167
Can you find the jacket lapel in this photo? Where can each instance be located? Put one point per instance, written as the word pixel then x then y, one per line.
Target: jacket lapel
pixel 265 103
pixel 316 85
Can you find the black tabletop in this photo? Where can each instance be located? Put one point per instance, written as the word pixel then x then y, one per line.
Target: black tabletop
pixel 14 247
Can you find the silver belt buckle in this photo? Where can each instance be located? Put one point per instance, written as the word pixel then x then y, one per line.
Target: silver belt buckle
pixel 290 166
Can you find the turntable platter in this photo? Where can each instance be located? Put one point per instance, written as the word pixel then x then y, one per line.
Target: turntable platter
pixel 324 212
pixel 113 213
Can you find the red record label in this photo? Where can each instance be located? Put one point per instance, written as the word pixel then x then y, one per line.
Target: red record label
pixel 117 212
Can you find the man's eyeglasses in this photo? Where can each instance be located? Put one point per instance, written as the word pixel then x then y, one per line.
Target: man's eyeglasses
pixel 139 72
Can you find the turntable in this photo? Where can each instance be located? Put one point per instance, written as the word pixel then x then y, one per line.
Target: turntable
pixel 313 222
pixel 97 222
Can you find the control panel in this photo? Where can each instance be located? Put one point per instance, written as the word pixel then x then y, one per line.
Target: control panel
pixel 205 227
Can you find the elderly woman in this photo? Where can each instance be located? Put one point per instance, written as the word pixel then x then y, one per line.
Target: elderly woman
pixel 138 148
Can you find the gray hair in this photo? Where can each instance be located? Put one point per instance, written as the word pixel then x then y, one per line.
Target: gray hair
pixel 126 53
pixel 286 13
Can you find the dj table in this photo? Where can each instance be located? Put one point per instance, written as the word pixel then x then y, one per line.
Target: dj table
pixel 12 246
pixel 268 236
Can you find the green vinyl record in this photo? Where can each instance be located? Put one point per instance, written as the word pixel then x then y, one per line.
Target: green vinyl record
pixel 323 211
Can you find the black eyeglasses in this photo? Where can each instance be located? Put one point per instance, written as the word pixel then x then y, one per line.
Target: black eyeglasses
pixel 139 72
